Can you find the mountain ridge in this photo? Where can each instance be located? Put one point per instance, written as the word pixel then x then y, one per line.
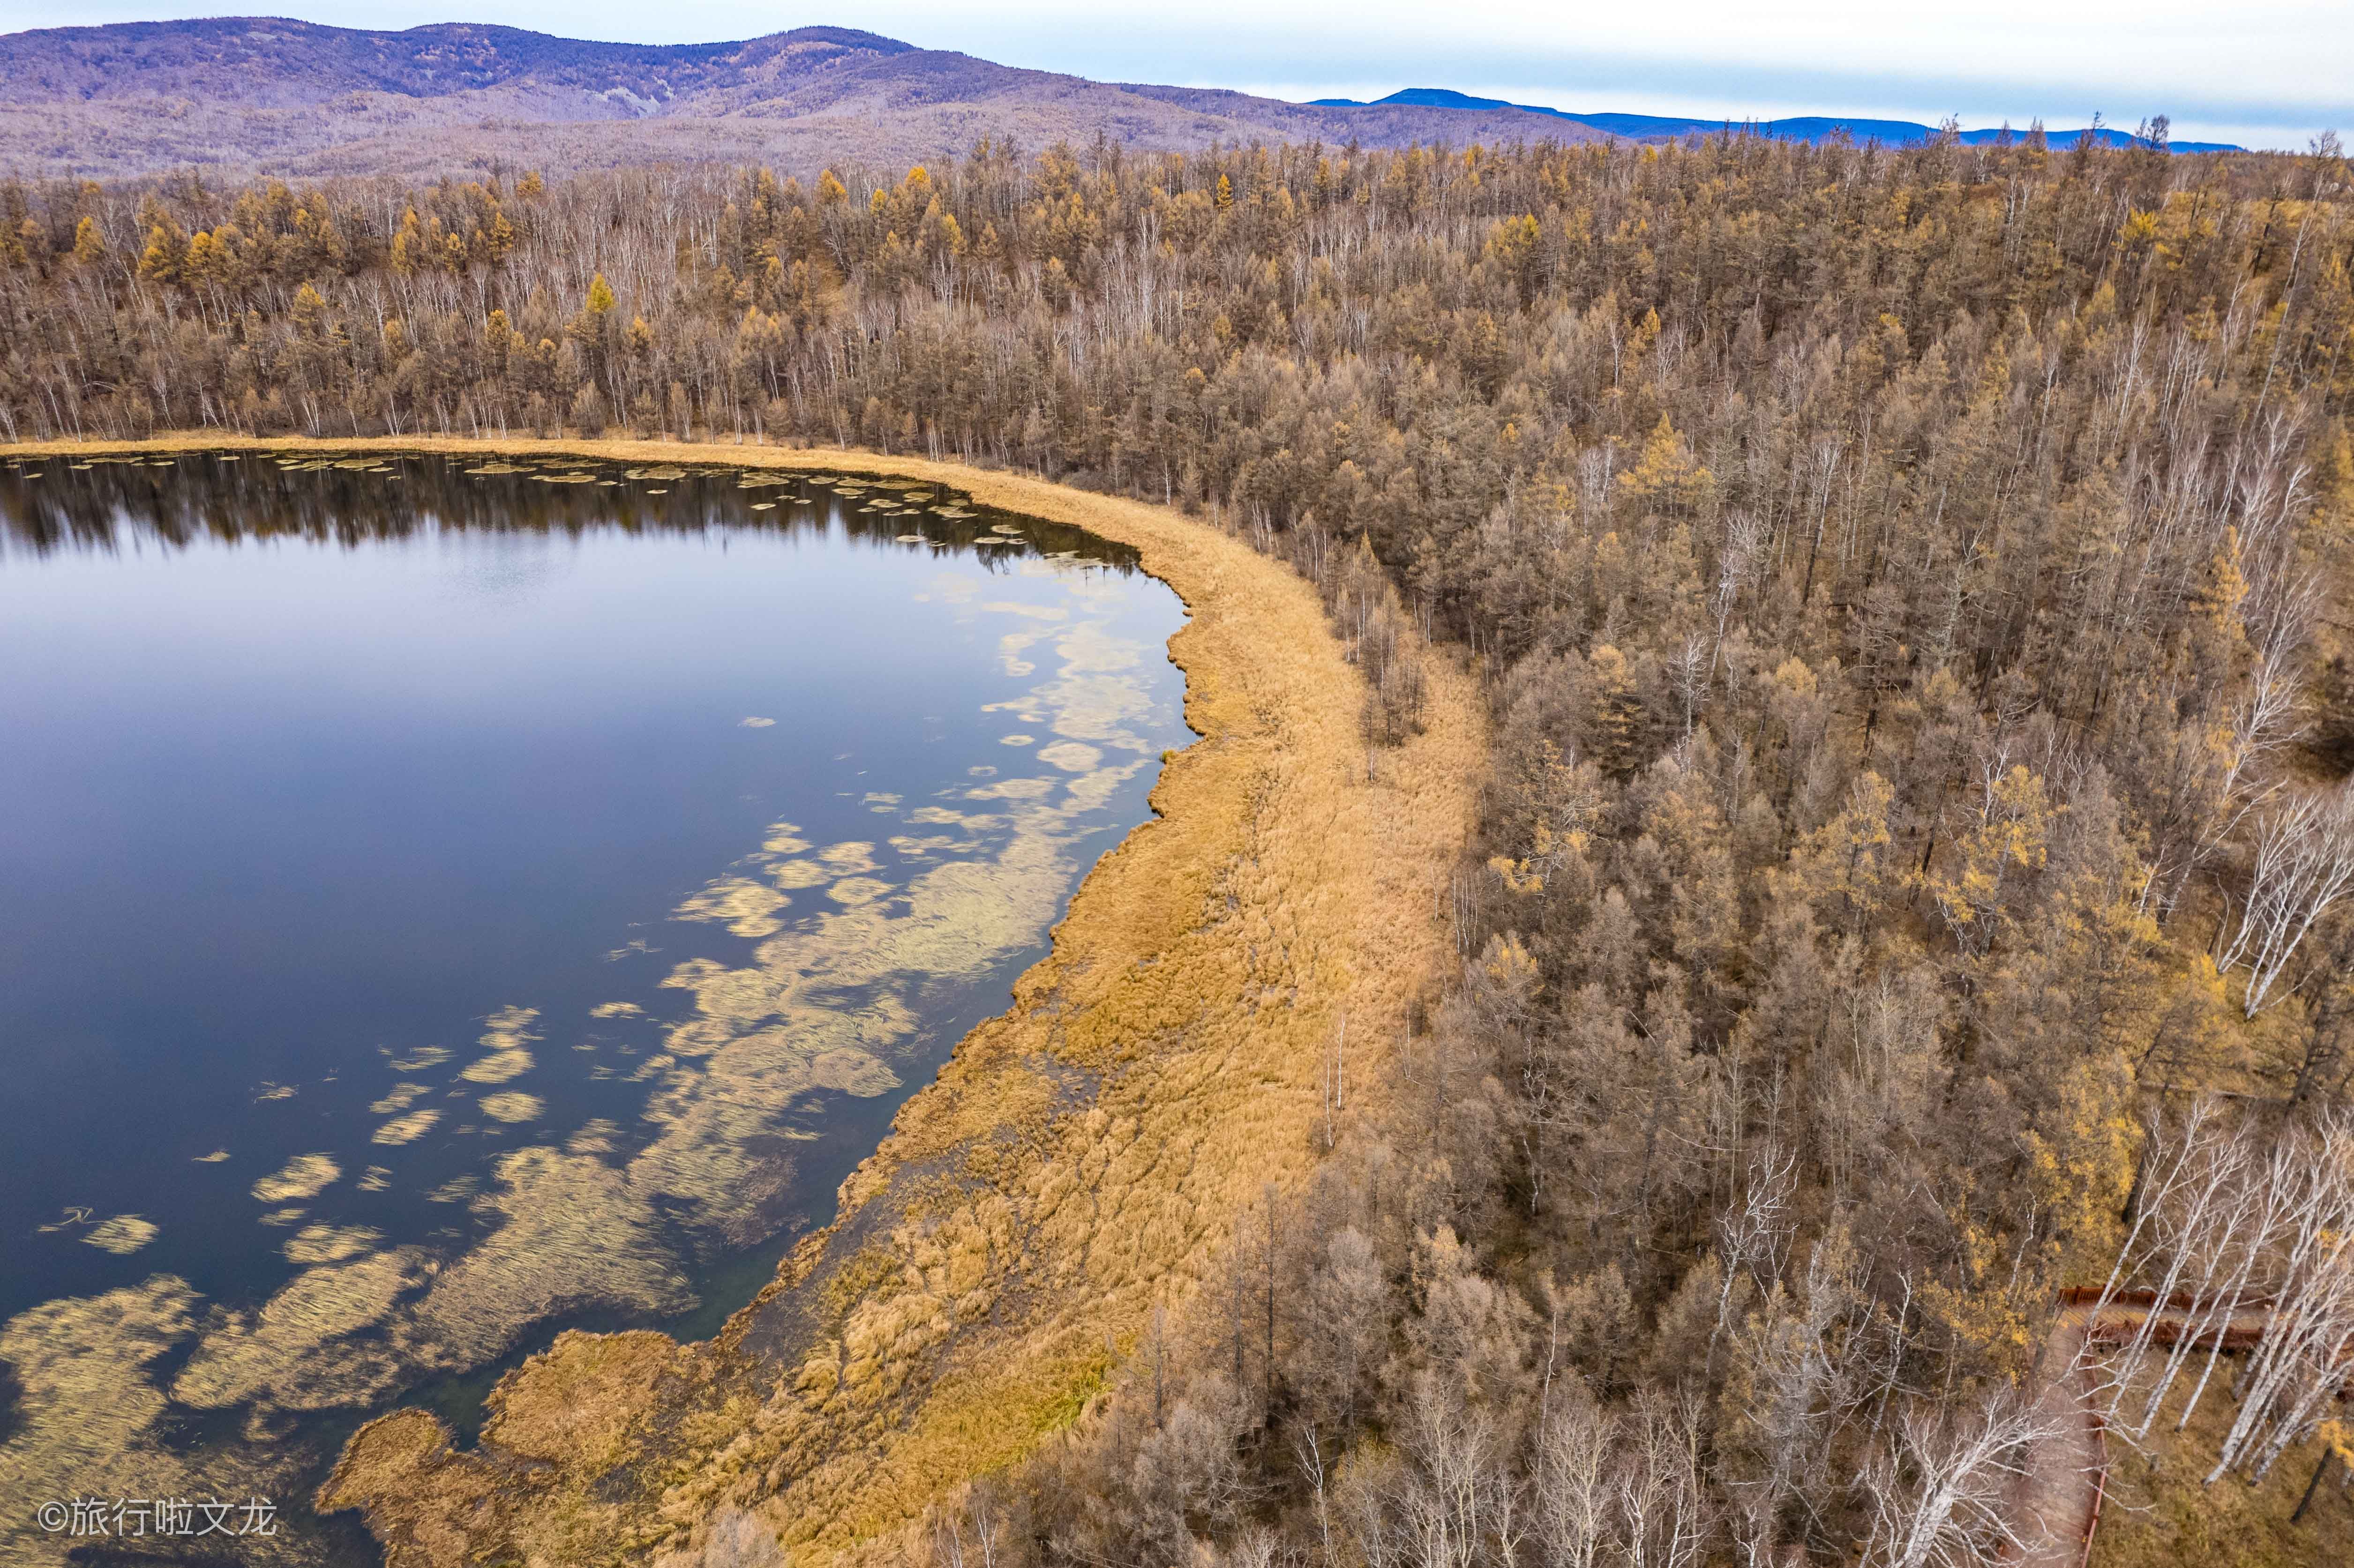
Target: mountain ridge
pixel 1813 128
pixel 272 96
pixel 245 96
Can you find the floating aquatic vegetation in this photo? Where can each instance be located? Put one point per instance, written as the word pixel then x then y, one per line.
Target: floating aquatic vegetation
pixel 617 1009
pixel 1093 791
pixel 305 1176
pixel 375 1179
pixel 403 1095
pixel 745 907
pixel 270 1091
pixel 857 890
pixel 121 1235
pixel 1012 789
pixel 953 919
pixel 597 1136
pixel 85 1405
pixel 571 1232
pixel 797 874
pixel 418 1060
pixel 406 1128
pixel 498 1066
pixel 331 1243
pixel 1070 756
pixel 499 468
pixel 878 798
pixel 456 1190
pixel 513 1105
pixel 941 816
pixel 300 1350
pixel 654 473
pixel 907 846
pixel 505 1041
pixel 851 1072
pixel 1013 645
pixel 215 1158
pixel 282 1216
pixel 1017 740
pixel 783 839
pixel 854 854
pixel 764 1030
pixel 755 723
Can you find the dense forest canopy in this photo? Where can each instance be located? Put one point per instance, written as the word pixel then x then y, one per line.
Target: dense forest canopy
pixel 1912 591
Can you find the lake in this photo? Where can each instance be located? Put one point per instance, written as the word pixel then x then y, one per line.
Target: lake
pixel 444 900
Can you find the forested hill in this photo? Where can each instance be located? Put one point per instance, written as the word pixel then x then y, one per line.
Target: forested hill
pixel 265 95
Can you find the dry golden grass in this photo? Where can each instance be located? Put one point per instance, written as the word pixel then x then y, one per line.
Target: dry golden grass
pixel 2158 1515
pixel 1079 1158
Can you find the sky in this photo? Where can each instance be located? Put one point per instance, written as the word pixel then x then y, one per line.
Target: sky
pixel 2267 73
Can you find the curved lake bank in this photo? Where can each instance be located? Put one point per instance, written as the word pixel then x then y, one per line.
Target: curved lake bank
pixel 448 896
pixel 1076 1161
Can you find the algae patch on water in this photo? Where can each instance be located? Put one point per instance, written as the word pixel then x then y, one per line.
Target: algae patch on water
pixel 504 1047
pixel 122 1235
pixel 747 908
pixel 305 1176
pixel 406 1128
pixel 331 1243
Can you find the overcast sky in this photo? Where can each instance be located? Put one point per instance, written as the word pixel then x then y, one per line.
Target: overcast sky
pixel 2262 72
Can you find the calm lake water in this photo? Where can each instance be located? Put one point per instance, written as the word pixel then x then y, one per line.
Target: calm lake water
pixel 439 905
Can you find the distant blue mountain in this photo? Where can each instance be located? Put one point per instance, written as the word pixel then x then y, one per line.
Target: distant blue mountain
pixel 1809 128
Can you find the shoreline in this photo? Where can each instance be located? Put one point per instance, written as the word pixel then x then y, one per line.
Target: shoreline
pixel 1076 1161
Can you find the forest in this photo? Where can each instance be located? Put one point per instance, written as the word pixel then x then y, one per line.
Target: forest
pixel 1911 591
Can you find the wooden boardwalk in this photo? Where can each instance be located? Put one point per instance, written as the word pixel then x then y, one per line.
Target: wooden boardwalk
pixel 2057 1502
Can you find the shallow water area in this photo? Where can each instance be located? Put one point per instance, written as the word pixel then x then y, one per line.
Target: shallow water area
pixel 443 899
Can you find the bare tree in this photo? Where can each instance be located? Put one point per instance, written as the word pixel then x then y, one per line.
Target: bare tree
pixel 1755 1235
pixel 2298 1364
pixel 1571 1476
pixel 2191 1170
pixel 1940 1496
pixel 2304 864
pixel 1662 1504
